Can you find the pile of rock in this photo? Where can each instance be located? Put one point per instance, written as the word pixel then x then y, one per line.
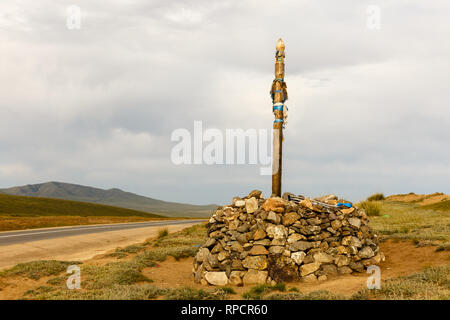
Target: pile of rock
pixel 255 241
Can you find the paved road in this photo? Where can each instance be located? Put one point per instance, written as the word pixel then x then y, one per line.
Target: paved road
pixel 13 237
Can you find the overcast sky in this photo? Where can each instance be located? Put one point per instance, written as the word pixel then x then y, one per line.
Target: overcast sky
pixel 368 108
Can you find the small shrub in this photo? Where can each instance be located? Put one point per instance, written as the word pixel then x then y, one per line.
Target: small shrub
pixel 228 290
pixel 371 208
pixel 130 249
pixel 257 292
pixel 376 197
pixel 163 233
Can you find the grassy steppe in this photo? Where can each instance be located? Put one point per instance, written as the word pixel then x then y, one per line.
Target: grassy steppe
pixel 17 213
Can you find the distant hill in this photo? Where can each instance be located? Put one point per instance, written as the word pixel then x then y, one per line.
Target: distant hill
pixel 29 206
pixel 112 197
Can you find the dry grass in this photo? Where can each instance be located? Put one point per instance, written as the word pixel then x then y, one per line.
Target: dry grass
pixel 408 221
pixel 376 197
pixel 431 284
pixel 372 208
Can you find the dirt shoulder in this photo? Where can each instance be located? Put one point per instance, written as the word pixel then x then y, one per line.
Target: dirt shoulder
pixel 81 247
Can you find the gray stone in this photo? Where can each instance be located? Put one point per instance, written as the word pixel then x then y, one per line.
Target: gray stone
pixel 366 253
pixel 298 256
pixel 272 217
pixel 322 257
pixel 300 246
pixel 309 268
pixel 344 270
pixel 341 260
pixel 355 222
pixel 202 255
pixel 255 262
pixel 216 278
pixel 255 277
pixel 251 205
pixel 258 250
pixel 276 249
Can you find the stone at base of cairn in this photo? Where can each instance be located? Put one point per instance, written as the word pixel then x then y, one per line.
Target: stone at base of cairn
pixel 255 241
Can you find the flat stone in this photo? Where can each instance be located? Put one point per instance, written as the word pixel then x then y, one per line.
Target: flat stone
pixel 341 260
pixel 309 278
pixel 348 210
pixel 322 257
pixel 276 249
pixel 344 270
pixel 222 255
pixel 336 224
pixel 259 234
pixel 216 278
pixel 295 237
pixel 289 218
pixel 329 269
pixel 258 250
pixel 255 262
pixel 355 222
pixel 309 268
pixel 357 266
pixel 251 205
pixel 255 277
pixel 276 231
pixel 275 204
pixel 236 278
pixel 300 246
pixel 298 257
pixel 236 246
pixel 239 203
pixel 278 242
pixel 202 255
pixel 255 193
pixel 272 217
pixel 263 242
pixel 366 253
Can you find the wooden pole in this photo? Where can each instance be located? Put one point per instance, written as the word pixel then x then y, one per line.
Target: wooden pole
pixel 279 96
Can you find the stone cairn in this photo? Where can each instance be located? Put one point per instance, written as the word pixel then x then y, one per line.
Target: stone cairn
pixel 256 240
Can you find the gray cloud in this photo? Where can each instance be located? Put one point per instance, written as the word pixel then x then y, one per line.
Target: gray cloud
pixel 96 106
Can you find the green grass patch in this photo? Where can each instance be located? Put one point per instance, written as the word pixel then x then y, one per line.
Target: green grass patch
pixel 38 269
pixel 257 292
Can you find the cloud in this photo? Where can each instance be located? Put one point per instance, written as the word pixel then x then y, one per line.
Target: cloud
pixel 368 110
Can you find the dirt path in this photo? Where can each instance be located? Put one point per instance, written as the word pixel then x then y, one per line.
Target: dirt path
pixel 82 247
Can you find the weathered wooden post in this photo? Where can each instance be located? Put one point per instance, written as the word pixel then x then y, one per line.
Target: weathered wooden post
pixel 279 96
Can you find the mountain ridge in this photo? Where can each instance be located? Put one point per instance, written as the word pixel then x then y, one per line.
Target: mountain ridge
pixel 113 197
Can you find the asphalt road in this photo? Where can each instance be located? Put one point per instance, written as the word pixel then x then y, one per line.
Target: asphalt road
pixel 23 236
